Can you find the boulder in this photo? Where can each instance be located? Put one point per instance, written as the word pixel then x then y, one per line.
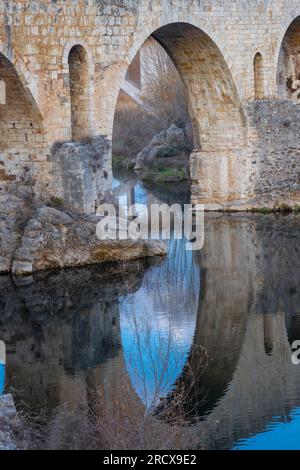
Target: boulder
pixel 55 239
pixel 166 144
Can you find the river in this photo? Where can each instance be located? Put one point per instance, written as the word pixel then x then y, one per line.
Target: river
pixel 226 316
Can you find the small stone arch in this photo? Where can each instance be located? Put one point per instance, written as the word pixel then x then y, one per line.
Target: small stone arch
pixel 81 87
pixel 79 81
pixel 258 71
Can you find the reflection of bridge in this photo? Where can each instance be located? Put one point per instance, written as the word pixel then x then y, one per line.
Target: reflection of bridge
pixel 247 318
pixel 62 68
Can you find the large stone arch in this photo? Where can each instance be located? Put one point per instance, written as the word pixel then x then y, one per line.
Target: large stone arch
pixel 288 60
pixel 220 128
pixel 24 150
pixel 26 77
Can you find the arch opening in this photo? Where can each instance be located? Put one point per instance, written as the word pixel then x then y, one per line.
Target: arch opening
pixel 218 124
pixel 288 71
pixel 79 92
pixel 24 150
pixel 258 76
pixel 213 100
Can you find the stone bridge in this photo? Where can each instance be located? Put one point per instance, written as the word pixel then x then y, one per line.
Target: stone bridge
pixel 63 62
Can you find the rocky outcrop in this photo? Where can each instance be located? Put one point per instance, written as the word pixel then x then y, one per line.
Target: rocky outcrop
pixel 166 158
pixel 83 169
pixel 57 239
pixel 13 212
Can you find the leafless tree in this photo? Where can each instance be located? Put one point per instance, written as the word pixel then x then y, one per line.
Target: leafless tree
pixel 165 102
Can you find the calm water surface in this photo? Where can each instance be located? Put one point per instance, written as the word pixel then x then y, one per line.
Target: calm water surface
pixel 237 302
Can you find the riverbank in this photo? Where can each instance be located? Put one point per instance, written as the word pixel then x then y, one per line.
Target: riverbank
pixel 36 237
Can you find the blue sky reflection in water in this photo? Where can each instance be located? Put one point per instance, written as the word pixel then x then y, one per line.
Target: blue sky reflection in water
pixel 278 435
pixel 158 321
pixel 2 377
pixel 158 324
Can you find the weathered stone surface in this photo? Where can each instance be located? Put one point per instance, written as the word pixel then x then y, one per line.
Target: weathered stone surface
pixel 84 171
pixel 276 150
pixel 56 239
pixel 12 211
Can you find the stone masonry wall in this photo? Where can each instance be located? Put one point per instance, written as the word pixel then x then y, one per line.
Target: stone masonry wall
pixel 276 150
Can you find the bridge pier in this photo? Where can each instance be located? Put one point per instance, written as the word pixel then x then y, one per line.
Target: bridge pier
pixel 221 179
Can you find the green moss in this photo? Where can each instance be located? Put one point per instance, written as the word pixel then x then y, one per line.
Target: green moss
pixel 164 175
pixel 121 162
pixel 56 201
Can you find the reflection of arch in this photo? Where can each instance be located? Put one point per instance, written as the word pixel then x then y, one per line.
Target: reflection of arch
pixel 2 92
pixel 2 352
pixel 2 366
pixel 156 340
pixel 258 76
pixel 268 334
pixel 79 74
pixel 214 354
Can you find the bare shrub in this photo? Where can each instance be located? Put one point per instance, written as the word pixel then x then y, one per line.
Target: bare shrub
pixel 163 89
pixel 133 129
